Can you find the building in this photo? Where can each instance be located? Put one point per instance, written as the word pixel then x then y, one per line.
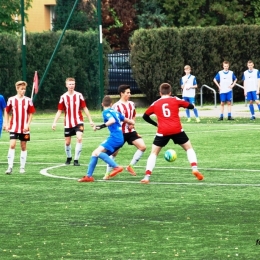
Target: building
pixel 40 16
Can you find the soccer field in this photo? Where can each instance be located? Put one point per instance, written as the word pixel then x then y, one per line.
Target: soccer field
pixel 47 214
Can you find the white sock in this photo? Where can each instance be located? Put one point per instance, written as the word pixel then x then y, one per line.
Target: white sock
pixel 192 158
pixel 138 154
pixel 78 149
pixel 23 158
pixel 10 157
pixel 109 169
pixel 68 151
pixel 151 161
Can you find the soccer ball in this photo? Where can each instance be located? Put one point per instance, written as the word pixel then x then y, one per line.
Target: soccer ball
pixel 170 155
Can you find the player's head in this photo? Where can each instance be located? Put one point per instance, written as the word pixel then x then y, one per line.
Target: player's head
pixel 107 101
pixel 70 83
pixel 225 65
pixel 187 69
pixel 250 64
pixel 20 86
pixel 165 89
pixel 124 91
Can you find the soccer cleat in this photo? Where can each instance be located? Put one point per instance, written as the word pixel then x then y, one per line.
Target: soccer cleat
pixel 252 118
pixel 230 118
pixel 86 179
pixel 9 170
pixel 106 177
pixel 76 163
pixel 22 170
pixel 115 171
pixel 220 119
pixel 189 120
pixel 197 119
pixel 198 175
pixel 145 181
pixel 68 161
pixel 130 169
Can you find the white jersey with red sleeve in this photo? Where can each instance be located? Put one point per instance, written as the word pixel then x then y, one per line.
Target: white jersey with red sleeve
pixel 20 109
pixel 128 110
pixel 166 110
pixel 72 105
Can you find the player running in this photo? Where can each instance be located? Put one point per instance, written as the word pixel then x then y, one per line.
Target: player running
pixel 127 108
pixel 168 128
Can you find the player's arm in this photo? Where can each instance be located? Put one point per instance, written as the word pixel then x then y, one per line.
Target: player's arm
pixel 57 116
pixel 110 121
pixel 217 83
pixel 88 116
pixel 148 119
pixel 6 120
pixel 27 125
pixel 190 106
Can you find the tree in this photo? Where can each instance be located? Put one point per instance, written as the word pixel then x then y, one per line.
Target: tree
pixel 9 9
pixel 83 19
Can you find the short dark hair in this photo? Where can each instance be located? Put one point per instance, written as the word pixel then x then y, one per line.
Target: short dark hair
pixel 107 101
pixel 123 88
pixel 165 88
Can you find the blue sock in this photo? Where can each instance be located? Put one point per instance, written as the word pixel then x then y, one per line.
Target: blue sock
pixel 252 110
pixel 92 165
pixel 258 106
pixel 188 113
pixel 229 114
pixel 195 110
pixel 107 160
pixel 221 115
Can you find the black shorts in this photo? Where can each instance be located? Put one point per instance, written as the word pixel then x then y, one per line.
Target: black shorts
pixel 130 137
pixel 21 137
pixel 180 138
pixel 73 130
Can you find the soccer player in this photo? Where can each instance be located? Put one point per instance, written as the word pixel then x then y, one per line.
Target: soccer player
pixel 225 81
pixel 2 107
pixel 72 102
pixel 251 78
pixel 169 128
pixel 112 120
pixel 127 108
pixel 22 109
pixel 189 85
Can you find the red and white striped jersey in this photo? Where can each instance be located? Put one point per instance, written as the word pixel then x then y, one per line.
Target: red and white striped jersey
pixel 20 109
pixel 128 110
pixel 72 106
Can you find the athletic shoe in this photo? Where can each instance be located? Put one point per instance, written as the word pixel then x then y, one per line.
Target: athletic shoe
pixel 9 170
pixel 252 118
pixel 220 119
pixel 189 120
pixel 76 163
pixel 197 119
pixel 230 118
pixel 198 175
pixel 68 161
pixel 130 169
pixel 22 170
pixel 86 179
pixel 106 177
pixel 115 171
pixel 145 181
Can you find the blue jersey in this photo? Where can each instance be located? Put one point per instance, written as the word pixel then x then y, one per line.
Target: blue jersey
pixel 116 128
pixel 2 107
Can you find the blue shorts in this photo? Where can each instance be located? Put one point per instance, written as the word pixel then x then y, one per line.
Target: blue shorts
pixel 226 97
pixel 189 99
pixel 251 95
pixel 112 145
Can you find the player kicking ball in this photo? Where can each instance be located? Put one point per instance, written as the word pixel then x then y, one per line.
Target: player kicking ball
pixel 169 128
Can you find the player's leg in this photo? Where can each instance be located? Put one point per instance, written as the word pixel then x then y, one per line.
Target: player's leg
pixel 228 101
pixel 187 110
pixel 183 140
pixel 138 142
pixel 222 104
pixel 195 110
pixel 79 135
pixel 23 156
pixel 109 168
pixel 11 152
pixel 67 134
pixel 158 143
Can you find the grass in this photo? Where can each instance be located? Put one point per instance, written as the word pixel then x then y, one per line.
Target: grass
pixel 175 216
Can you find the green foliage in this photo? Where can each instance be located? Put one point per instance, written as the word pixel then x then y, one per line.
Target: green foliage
pixel 10 65
pixel 155 58
pixel 8 11
pixel 83 18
